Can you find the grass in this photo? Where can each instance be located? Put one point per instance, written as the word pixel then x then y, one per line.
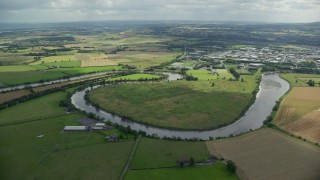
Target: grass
pixel 42 107
pixel 13 75
pixel 136 77
pixel 297 80
pixel 58 154
pixel 208 75
pixel 216 171
pixel 51 59
pixel 179 105
pixel 154 153
pixel 269 154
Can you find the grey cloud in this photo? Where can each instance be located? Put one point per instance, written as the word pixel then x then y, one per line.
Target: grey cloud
pixel 213 10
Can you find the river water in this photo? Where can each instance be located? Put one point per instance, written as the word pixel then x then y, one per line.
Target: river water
pixel 272 87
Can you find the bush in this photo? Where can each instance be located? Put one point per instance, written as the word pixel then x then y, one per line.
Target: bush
pixel 231 166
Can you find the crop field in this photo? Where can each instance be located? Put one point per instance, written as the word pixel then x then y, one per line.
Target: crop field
pixel 4 97
pixel 216 171
pixel 300 79
pixel 154 153
pixel 172 104
pixel 269 154
pixel 307 127
pixel 298 103
pixel 14 58
pixel 134 77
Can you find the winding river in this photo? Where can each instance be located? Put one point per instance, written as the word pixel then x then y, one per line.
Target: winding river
pixel 272 87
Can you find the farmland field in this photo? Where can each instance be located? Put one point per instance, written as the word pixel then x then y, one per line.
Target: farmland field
pixel 4 97
pixel 307 127
pixel 58 155
pixel 269 154
pixel 35 109
pixel 216 171
pixel 300 102
pixel 298 113
pixel 41 150
pixel 153 153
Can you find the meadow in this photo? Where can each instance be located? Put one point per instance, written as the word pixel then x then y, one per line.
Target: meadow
pixel 154 153
pixel 297 80
pixel 172 104
pixel 269 154
pixel 36 147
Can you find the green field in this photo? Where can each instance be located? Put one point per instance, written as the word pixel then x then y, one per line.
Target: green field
pixel 208 75
pixel 28 74
pixel 134 77
pixel 154 153
pixel 181 104
pixel 300 79
pixel 57 154
pixel 216 171
pixel 39 108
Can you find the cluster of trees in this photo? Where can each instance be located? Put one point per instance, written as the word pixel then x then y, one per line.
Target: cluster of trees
pixel 191 78
pixel 234 73
pixel 311 82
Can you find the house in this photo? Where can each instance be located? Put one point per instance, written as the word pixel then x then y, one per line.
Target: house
pixel 112 138
pixel 183 162
pixel 76 128
pixel 100 124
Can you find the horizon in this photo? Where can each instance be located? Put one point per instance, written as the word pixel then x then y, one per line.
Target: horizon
pixel 59 11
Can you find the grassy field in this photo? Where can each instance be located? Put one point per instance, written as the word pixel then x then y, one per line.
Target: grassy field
pixel 300 79
pixel 30 74
pixel 35 109
pixel 217 171
pixel 133 77
pixel 269 154
pixel 182 104
pixel 58 155
pixel 42 150
pixel 208 75
pixel 154 153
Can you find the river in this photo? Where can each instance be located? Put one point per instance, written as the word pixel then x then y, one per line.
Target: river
pixel 272 87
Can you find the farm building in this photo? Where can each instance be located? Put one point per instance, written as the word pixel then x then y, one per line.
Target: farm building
pixel 76 128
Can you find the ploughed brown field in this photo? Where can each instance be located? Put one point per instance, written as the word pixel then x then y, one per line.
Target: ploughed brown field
pixel 269 154
pixel 307 127
pixel 100 62
pixel 299 115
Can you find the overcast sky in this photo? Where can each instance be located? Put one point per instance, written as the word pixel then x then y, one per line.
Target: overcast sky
pixel 206 10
